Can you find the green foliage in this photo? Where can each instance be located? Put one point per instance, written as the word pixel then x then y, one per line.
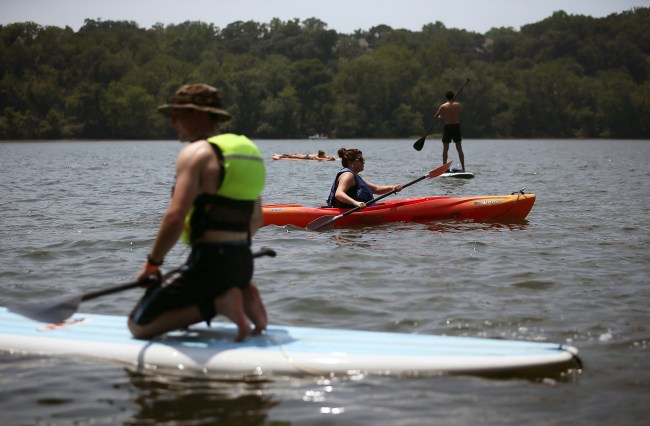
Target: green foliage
pixel 566 76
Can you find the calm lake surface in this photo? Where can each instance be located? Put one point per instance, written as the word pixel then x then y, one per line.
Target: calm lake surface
pixel 80 216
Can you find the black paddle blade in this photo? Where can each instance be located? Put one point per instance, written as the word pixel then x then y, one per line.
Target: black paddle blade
pixel 49 312
pixel 323 223
pixel 419 144
pixel 265 251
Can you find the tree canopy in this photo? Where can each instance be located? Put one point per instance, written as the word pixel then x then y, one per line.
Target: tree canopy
pixel 567 76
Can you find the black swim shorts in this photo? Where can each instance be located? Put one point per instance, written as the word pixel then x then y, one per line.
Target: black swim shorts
pixel 210 270
pixel 451 132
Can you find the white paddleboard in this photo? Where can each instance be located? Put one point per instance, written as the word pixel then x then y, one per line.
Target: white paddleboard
pixel 457 173
pixel 281 350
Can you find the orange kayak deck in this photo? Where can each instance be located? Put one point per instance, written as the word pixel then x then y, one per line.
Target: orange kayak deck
pixel 493 208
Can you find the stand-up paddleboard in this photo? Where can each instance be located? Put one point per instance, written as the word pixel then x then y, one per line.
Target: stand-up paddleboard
pixel 282 350
pixel 458 173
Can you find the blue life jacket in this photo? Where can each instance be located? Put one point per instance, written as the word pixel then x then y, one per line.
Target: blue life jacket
pixel 360 192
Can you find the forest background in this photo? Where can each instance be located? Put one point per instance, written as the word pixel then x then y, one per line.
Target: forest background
pixel 567 76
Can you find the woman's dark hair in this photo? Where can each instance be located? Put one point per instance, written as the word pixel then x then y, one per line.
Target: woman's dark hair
pixel 348 155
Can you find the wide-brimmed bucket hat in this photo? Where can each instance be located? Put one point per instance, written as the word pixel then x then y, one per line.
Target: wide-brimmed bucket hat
pixel 201 97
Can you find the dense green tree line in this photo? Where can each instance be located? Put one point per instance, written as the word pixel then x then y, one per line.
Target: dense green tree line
pixel 566 76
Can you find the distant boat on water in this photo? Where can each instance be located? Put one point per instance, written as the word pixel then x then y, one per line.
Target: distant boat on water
pixel 318 136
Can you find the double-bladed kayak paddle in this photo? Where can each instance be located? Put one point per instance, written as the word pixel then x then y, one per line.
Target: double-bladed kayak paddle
pixel 324 223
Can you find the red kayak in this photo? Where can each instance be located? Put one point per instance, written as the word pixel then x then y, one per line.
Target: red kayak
pixel 496 208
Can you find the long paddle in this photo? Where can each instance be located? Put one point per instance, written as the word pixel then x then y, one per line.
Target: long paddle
pixel 59 311
pixel 324 223
pixel 419 144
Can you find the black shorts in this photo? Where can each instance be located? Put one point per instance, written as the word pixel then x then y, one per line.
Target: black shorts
pixel 210 270
pixel 451 132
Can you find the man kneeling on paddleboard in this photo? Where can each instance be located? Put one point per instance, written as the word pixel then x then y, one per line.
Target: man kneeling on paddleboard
pixel 216 208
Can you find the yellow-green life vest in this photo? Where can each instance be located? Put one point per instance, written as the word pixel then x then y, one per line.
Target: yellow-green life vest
pixel 243 176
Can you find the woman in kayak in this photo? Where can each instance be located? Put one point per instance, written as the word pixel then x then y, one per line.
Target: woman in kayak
pixel 349 189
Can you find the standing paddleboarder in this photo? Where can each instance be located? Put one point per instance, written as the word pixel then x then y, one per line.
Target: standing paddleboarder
pixel 450 111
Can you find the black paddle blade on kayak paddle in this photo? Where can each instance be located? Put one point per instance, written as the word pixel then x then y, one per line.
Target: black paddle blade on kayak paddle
pixel 61 310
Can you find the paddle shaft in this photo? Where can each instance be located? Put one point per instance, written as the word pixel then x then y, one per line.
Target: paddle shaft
pixel 420 142
pixel 381 197
pixel 59 311
pixel 431 128
pixel 316 225
pixel 99 293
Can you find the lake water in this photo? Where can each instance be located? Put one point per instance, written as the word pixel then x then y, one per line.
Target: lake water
pixel 80 216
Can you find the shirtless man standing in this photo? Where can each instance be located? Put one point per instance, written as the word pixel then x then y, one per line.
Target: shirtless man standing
pixel 450 111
